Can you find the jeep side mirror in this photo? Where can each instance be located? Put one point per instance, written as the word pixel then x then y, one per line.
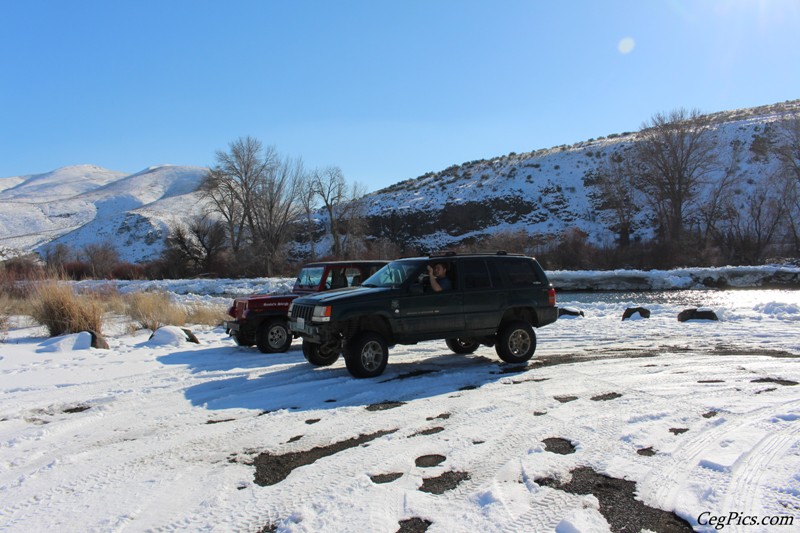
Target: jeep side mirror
pixel 415 289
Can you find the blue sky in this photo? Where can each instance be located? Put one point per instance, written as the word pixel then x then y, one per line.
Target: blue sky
pixel 385 90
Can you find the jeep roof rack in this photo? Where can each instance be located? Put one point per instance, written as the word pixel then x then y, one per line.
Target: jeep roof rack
pixel 453 254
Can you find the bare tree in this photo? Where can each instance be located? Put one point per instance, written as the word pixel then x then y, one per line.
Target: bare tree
pixel 199 245
pixel 232 185
pixel 788 146
pixel 754 221
pixel 617 196
pixel 277 206
pixel 674 155
pixel 787 149
pixel 308 204
pixel 101 257
pixel 340 203
pixel 717 210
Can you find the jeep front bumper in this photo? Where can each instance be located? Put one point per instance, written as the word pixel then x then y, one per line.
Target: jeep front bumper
pixel 311 332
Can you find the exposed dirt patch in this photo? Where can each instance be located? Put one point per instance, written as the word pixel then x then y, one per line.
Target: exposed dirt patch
pixel 312 421
pixel 678 431
pixel 385 478
pixel 539 413
pixel 647 452
pixel 606 397
pixel 726 349
pixel 77 409
pixel 622 511
pixel 443 483
pixel 565 399
pixel 429 431
pixel 710 414
pixel 558 445
pixel 777 381
pixel 513 369
pixel 272 469
pixel 766 390
pixel 414 525
pixel 220 421
pixel 383 406
pixel 711 381
pixel 468 387
pixel 429 461
pixel 413 374
pixel 295 438
pixel 443 416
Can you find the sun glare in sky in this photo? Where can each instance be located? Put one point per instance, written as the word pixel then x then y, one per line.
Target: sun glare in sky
pixel 626 45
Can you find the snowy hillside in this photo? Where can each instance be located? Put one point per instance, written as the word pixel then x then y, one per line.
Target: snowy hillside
pixel 87 204
pixel 545 191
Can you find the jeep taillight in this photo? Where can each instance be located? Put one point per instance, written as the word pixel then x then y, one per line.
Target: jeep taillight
pixel 551 297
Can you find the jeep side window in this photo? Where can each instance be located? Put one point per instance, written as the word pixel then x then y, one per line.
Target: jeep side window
pixel 476 275
pixel 353 276
pixel 336 279
pixel 520 273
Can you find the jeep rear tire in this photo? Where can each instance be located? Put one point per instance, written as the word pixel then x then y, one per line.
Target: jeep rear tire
pixel 273 336
pixel 462 346
pixel 320 354
pixel 516 342
pixel 366 355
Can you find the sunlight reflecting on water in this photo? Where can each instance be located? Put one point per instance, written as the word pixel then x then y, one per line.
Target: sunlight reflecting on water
pixel 732 299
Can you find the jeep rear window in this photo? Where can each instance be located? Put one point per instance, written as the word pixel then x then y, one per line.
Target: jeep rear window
pixel 309 277
pixel 520 273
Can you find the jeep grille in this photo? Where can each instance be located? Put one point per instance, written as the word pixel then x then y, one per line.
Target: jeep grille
pixel 302 311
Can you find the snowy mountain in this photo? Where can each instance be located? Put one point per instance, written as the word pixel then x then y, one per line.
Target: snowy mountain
pixel 86 204
pixel 542 192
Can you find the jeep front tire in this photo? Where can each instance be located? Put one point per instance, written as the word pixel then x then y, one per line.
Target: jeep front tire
pixel 366 355
pixel 516 342
pixel 273 336
pixel 242 339
pixel 320 354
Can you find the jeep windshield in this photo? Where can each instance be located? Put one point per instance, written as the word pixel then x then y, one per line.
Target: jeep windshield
pixel 394 274
pixel 309 277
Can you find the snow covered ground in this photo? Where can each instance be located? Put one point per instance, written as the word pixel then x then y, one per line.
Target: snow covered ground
pixel 164 435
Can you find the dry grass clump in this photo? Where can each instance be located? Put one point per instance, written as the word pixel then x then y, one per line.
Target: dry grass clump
pixel 207 315
pixel 109 297
pixel 152 310
pixel 5 311
pixel 61 311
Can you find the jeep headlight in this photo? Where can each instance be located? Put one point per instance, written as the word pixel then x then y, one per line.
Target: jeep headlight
pixel 289 312
pixel 322 313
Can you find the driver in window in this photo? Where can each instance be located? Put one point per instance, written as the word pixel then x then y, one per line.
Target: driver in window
pixel 438 276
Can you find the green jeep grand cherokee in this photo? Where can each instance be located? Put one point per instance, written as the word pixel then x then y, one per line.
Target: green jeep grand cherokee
pixel 493 299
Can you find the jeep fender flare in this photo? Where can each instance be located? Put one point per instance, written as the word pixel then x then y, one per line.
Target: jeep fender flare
pixel 377 322
pixel 525 314
pixel 258 318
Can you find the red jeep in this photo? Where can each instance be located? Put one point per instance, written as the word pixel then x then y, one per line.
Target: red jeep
pixel 260 319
